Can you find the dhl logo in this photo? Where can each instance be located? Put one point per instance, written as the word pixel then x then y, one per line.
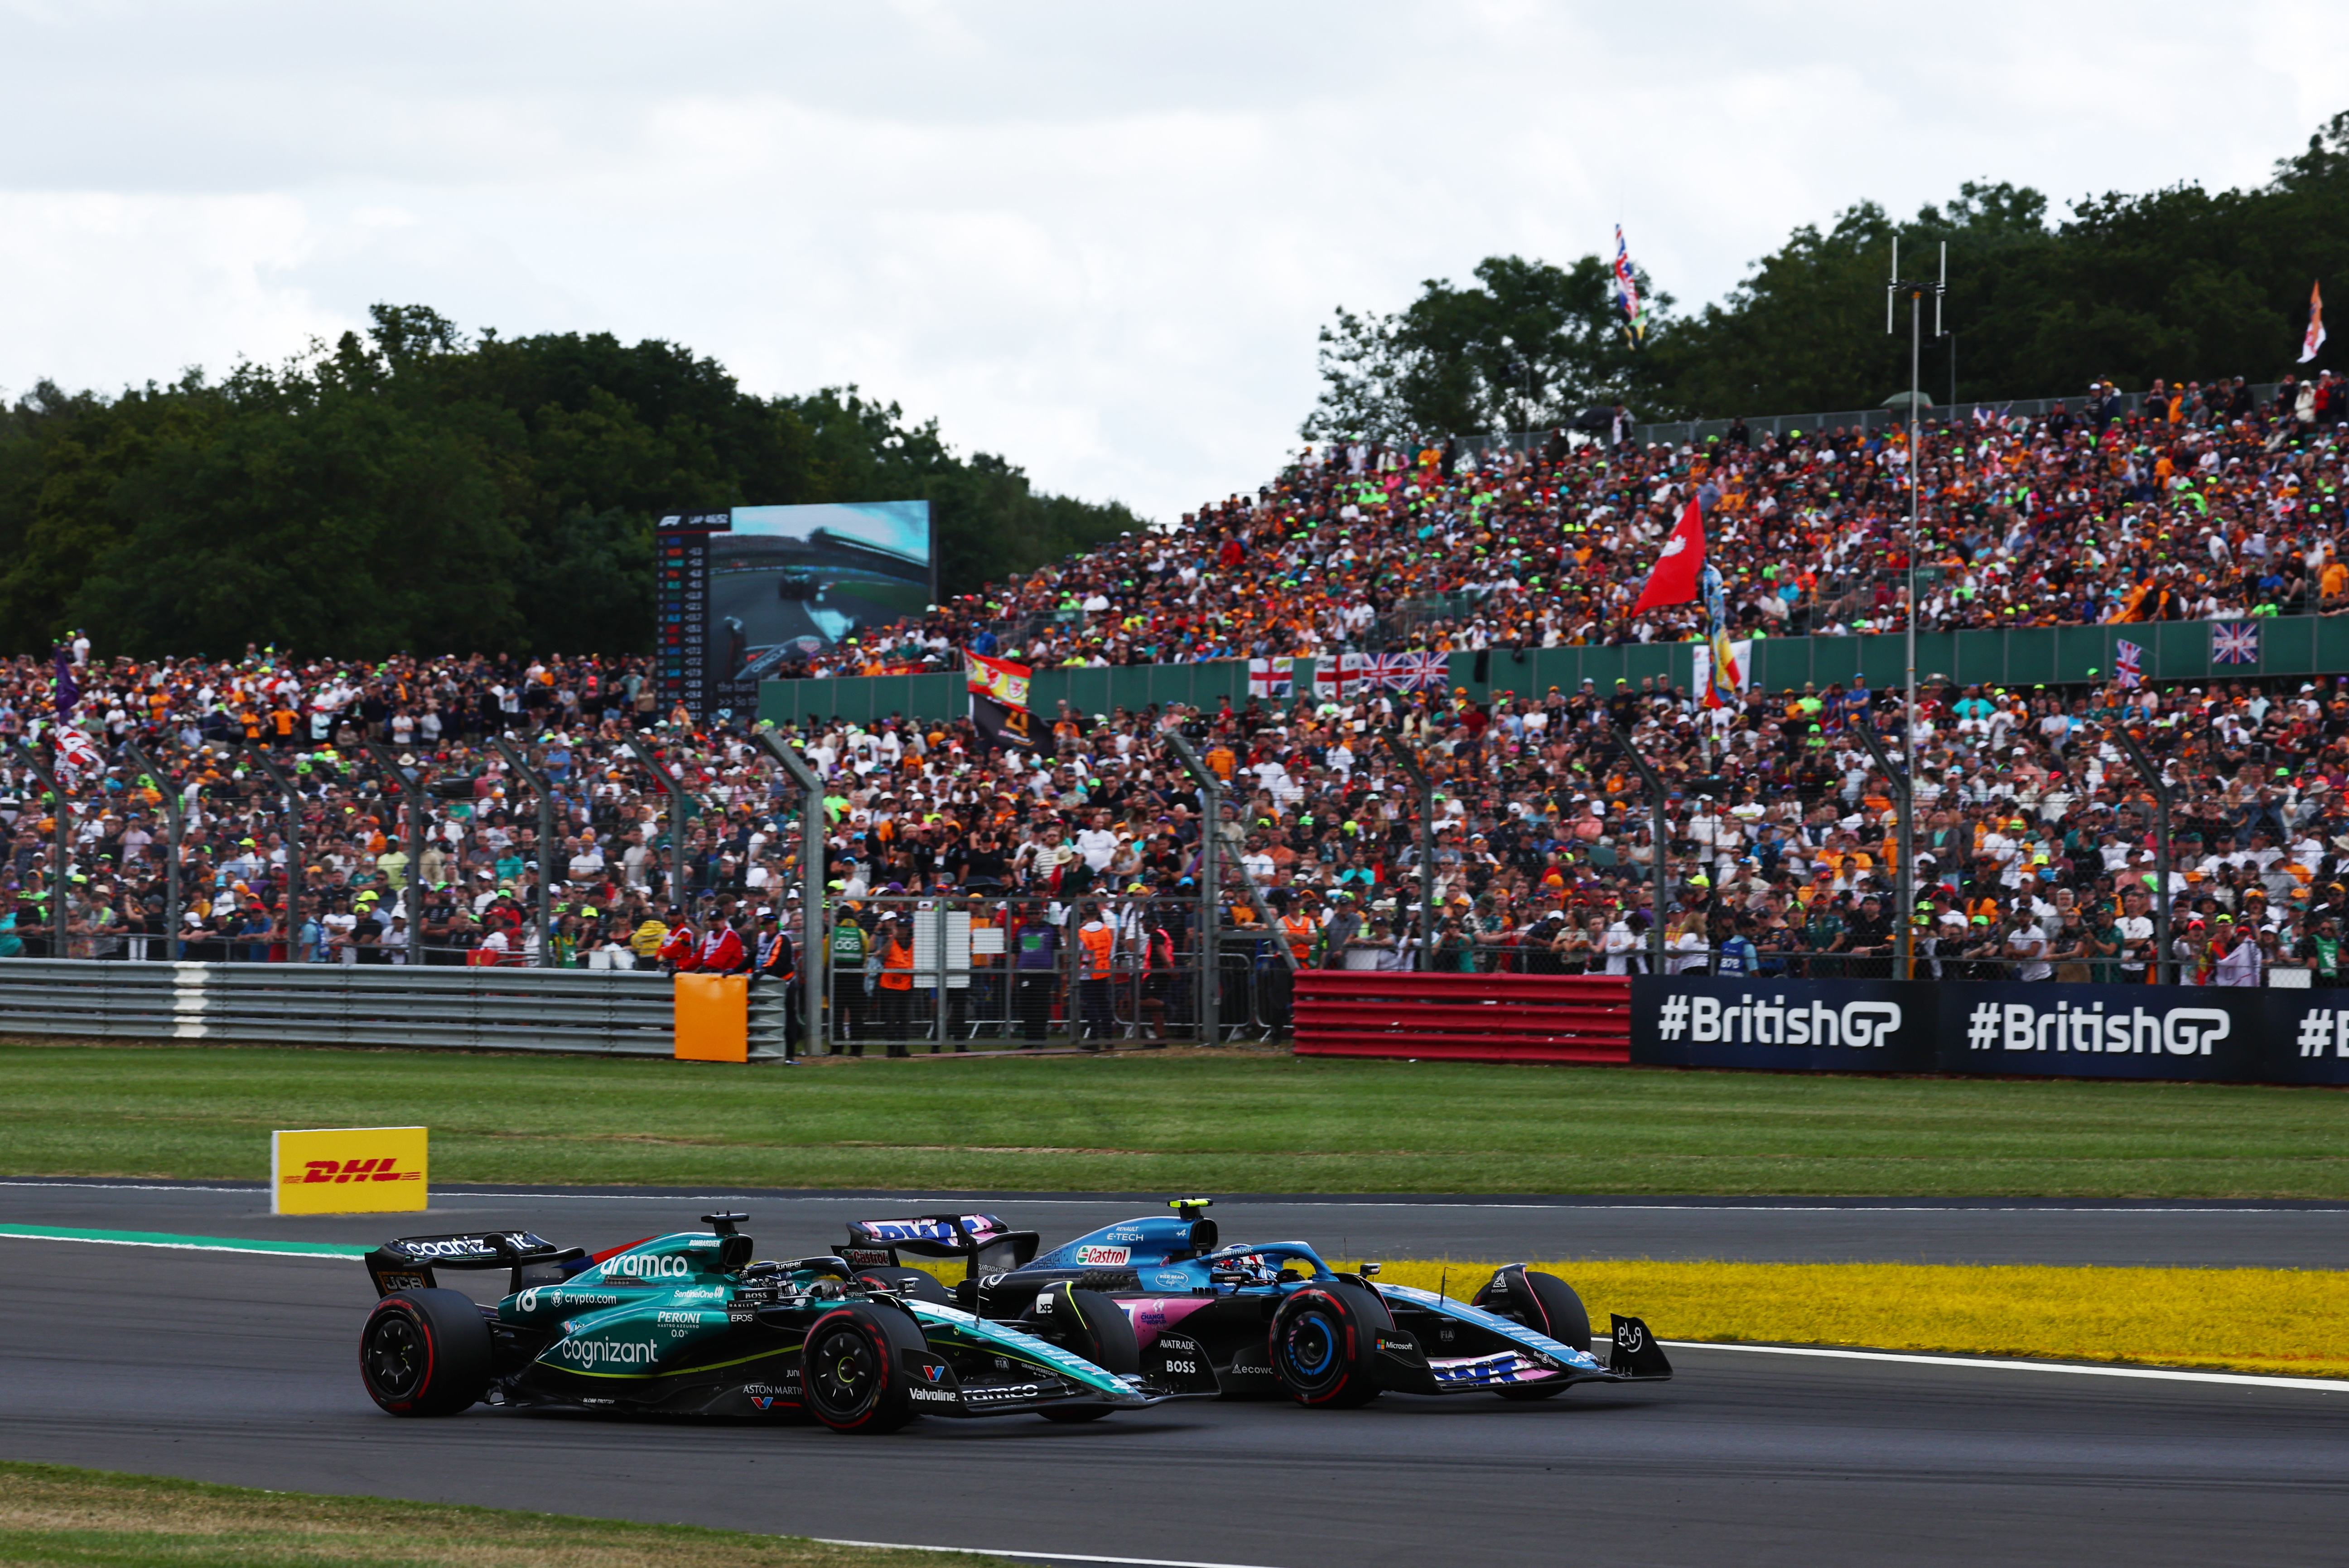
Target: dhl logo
pixel 339 1171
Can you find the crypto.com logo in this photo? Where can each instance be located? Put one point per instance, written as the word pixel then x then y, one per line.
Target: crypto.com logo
pixel 2020 1026
pixel 1705 1020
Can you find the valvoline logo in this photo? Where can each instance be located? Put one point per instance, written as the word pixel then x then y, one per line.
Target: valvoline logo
pixel 933 1372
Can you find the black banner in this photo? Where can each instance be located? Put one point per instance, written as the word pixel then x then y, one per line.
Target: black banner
pixel 2212 1034
pixel 1001 725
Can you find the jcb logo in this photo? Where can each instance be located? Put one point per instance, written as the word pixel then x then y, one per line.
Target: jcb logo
pixel 316 1172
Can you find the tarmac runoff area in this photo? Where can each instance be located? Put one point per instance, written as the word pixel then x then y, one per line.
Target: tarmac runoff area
pixel 239 1366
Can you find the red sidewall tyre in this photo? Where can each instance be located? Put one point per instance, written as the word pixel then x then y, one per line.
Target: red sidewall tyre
pixel 1321 1347
pixel 425 1353
pixel 850 1378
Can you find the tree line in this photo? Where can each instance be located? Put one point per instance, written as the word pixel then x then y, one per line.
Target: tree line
pixel 2181 283
pixel 415 488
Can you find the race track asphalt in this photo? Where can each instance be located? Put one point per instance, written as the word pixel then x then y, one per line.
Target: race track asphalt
pixel 1472 1229
pixel 241 1368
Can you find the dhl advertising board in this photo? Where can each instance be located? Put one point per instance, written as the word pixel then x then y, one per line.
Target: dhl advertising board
pixel 347 1170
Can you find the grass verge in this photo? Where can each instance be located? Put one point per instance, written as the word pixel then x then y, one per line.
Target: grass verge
pixel 1170 1121
pixel 2280 1321
pixel 97 1519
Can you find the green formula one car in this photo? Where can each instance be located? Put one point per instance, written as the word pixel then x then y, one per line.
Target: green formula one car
pixel 690 1324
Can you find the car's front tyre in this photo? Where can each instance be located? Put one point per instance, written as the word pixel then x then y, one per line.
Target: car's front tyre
pixel 851 1375
pixel 425 1353
pixel 1323 1342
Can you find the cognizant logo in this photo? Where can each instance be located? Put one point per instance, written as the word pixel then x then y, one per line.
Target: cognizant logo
pixel 606 1352
pixel 1706 1019
pixel 2020 1026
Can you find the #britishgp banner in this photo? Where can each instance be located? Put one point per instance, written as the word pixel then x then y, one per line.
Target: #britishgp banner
pixel 1991 1028
pixel 998 678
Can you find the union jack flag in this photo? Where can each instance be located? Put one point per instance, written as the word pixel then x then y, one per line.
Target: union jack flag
pixel 2129 664
pixel 1413 671
pixel 2235 642
pixel 1352 674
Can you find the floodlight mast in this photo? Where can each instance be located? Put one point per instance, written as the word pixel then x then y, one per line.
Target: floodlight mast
pixel 1916 292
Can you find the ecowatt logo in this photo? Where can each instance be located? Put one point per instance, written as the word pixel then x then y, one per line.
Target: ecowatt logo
pixel 1704 1018
pixel 2020 1026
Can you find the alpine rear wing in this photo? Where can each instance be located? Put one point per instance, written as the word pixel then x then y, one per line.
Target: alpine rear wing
pixel 408 1262
pixel 987 1244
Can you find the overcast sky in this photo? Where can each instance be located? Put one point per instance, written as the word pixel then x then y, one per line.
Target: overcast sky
pixel 1096 239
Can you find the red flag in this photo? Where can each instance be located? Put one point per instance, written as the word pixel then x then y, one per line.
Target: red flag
pixel 1675 580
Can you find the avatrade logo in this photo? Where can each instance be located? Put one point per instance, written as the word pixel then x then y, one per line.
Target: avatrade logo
pixel 607 1352
pixel 1704 1020
pixel 2020 1026
pixel 650 1266
pixel 1103 1257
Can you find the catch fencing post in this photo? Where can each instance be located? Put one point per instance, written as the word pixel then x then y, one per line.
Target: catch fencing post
pixel 419 804
pixel 2164 961
pixel 1211 827
pixel 1656 803
pixel 294 870
pixel 1410 764
pixel 1905 882
pixel 60 818
pixel 175 816
pixel 676 798
pixel 814 954
pixel 545 793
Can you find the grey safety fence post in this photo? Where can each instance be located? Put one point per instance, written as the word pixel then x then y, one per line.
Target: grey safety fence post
pixel 675 787
pixel 2164 961
pixel 175 818
pixel 297 874
pixel 419 806
pixel 1905 881
pixel 61 817
pixel 545 792
pixel 816 953
pixel 1420 782
pixel 1211 827
pixel 1657 799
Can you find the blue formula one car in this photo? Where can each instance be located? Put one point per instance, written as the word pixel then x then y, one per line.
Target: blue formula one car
pixel 691 1324
pixel 1162 1298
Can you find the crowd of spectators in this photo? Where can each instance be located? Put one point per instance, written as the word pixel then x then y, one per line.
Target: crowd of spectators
pixel 2199 502
pixel 2035 834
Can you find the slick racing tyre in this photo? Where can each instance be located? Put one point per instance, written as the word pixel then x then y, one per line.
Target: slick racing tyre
pixel 1545 1303
pixel 425 1353
pixel 1087 1323
pixel 852 1370
pixel 911 1283
pixel 1323 1340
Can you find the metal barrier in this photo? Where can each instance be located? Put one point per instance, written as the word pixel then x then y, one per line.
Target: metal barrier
pixel 1464 1017
pixel 610 1013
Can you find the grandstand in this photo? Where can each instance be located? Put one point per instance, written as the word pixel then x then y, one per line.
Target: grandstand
pixel 2037 852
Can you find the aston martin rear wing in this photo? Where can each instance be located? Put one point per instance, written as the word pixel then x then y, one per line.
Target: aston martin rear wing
pixel 408 1262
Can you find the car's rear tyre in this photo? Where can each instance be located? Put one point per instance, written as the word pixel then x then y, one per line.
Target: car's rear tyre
pixel 1087 1323
pixel 425 1353
pixel 851 1375
pixel 1322 1345
pixel 911 1283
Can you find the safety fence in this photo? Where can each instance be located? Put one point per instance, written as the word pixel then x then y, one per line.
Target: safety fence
pixel 611 1012
pixel 910 975
pixel 1464 1017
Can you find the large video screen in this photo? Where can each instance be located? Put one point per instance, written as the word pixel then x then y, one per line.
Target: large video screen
pixel 798 580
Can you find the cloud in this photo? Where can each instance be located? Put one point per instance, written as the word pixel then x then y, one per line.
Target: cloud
pixel 1097 242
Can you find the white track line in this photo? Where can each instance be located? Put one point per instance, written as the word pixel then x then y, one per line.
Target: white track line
pixel 2321 1385
pixel 1036 1556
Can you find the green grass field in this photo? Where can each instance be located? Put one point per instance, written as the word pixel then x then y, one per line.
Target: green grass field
pixel 96 1519
pixel 1167 1121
